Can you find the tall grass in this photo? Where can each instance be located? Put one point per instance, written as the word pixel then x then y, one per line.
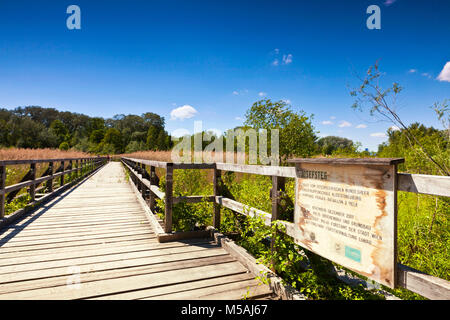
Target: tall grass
pixel 28 154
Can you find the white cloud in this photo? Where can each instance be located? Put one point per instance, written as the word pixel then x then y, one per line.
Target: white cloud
pixel 394 128
pixel 277 51
pixel 287 59
pixel 361 126
pixel 344 124
pixel 378 135
pixel 238 119
pixel 177 133
pixel 327 122
pixel 332 117
pixel 426 74
pixel 275 62
pixel 183 112
pixel 445 73
pixel 286 101
pixel 262 94
pixel 412 71
pixel 240 92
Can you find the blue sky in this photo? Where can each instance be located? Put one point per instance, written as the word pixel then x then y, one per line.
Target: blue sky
pixel 219 57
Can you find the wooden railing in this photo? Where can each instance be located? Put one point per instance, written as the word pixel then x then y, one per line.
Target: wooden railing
pixel 65 166
pixel 147 183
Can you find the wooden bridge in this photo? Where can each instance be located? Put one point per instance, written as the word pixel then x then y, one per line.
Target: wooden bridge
pixel 97 237
pixel 94 242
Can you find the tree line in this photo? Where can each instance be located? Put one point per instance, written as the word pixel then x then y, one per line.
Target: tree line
pixel 38 127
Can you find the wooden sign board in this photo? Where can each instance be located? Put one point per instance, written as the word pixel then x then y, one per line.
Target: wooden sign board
pixel 345 211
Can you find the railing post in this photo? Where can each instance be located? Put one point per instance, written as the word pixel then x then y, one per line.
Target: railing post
pixel 168 198
pixel 62 176
pixel 2 187
pixel 217 184
pixel 50 182
pixel 33 177
pixel 78 169
pixel 278 184
pixel 143 188
pixel 151 196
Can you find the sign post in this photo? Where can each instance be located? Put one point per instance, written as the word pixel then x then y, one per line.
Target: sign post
pixel 346 211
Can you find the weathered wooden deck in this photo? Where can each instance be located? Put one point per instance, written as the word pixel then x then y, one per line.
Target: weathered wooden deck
pixel 94 242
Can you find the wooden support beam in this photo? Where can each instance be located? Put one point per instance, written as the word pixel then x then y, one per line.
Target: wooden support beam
pixel 2 186
pixel 51 172
pixel 217 184
pixel 61 183
pixel 151 196
pixel 193 199
pixel 168 199
pixel 33 177
pixel 278 186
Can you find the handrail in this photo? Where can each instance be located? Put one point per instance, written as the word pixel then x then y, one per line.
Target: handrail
pixel 81 166
pixel 416 183
pixel 409 278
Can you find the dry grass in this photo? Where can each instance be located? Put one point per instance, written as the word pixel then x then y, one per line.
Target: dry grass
pixel 166 156
pixel 149 155
pixel 28 154
pixel 16 172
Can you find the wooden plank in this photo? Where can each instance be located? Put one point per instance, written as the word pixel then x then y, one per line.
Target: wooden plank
pixel 193 199
pixel 159 164
pixel 95 250
pixel 428 286
pixel 286 292
pixel 110 286
pixel 94 246
pixel 180 287
pixel 2 186
pixel 79 224
pixel 15 162
pixel 157 228
pixel 183 235
pixel 168 199
pixel 194 165
pixel 426 184
pixel 81 243
pixel 36 236
pixel 136 267
pixel 68 241
pixel 288 172
pixel 225 291
pixel 349 161
pixel 217 189
pixel 244 209
pixel 40 265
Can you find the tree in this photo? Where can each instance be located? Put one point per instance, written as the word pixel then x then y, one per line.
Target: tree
pixel 381 102
pixel 152 137
pixel 59 129
pixel 296 133
pixel 330 144
pixel 113 137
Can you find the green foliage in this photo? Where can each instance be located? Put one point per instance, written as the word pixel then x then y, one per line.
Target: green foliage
pixel 296 132
pixel 400 145
pixel 189 216
pixel 328 145
pixel 64 146
pixel 17 203
pixel 37 127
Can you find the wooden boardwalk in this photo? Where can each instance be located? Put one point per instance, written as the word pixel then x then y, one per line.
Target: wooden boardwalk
pixel 94 242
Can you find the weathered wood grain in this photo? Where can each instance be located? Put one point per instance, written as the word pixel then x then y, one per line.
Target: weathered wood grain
pixel 101 229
